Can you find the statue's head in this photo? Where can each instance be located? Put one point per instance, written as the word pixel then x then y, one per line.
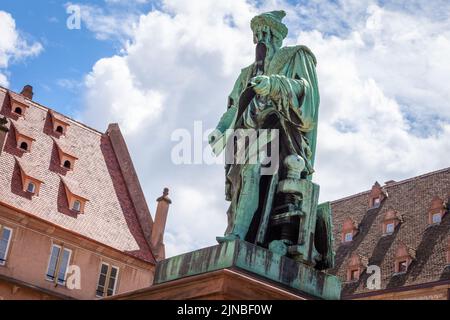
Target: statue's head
pixel 269 30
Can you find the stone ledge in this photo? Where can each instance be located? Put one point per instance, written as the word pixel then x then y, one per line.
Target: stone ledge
pixel 252 259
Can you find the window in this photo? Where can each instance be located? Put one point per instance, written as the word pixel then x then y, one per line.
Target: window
pixel 76 206
pixel 24 146
pixel 59 129
pixel 107 281
pixel 18 110
pixel 376 202
pixel 390 227
pixel 354 275
pixel 402 266
pixel 5 239
pixel 31 187
pixel 58 264
pixel 67 164
pixel 437 218
pixel 348 237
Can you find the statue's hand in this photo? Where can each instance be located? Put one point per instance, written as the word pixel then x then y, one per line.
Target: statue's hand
pixel 261 85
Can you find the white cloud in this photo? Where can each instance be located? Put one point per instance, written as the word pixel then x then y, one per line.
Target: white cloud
pixel 13 46
pixel 382 80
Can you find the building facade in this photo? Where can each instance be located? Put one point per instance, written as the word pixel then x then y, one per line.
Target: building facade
pixel 393 242
pixel 74 222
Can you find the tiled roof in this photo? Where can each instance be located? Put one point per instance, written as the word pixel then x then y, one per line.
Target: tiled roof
pixel 428 244
pixel 109 218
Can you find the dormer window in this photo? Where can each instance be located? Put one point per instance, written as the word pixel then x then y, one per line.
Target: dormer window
pixel 66 159
pixel 436 211
pixel 390 221
pixel 60 124
pixel 356 266
pixel 75 199
pixel 18 104
pixel 403 258
pixel 376 196
pixel 31 184
pixel 23 140
pixel 349 230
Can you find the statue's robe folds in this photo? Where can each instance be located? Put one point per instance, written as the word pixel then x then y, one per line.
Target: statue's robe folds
pixel 291 107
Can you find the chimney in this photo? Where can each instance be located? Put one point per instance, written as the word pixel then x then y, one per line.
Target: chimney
pixel 27 92
pixel 3 132
pixel 160 225
pixel 388 183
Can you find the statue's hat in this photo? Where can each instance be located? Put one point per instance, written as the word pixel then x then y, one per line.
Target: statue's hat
pixel 273 21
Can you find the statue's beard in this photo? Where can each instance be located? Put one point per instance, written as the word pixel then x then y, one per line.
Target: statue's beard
pixel 261 54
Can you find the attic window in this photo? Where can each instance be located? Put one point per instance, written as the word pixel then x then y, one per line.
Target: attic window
pixel 436 211
pixel 390 221
pixel 402 266
pixel 349 230
pixel 354 275
pixel 67 160
pixel 403 258
pixel 356 267
pixel 60 123
pixel 390 228
pixel 376 202
pixel 76 206
pixel 31 187
pixel 23 141
pixel 18 111
pixel 18 104
pixel 30 183
pixel 348 237
pixel 24 146
pixel 376 196
pixel 67 164
pixel 76 202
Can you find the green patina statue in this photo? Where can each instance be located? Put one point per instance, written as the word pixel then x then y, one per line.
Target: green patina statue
pixel 278 91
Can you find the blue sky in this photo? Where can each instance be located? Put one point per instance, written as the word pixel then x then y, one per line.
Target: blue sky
pixel 67 55
pixel 383 72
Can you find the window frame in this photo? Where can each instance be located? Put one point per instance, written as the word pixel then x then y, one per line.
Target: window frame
pixel 55 279
pixel 8 245
pixel 107 280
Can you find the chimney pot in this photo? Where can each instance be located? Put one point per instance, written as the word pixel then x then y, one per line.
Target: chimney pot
pixel 27 92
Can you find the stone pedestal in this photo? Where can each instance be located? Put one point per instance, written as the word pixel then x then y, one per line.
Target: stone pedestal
pixel 237 270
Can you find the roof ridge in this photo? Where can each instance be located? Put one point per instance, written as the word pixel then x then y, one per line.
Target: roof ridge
pixel 425 175
pixel 38 105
